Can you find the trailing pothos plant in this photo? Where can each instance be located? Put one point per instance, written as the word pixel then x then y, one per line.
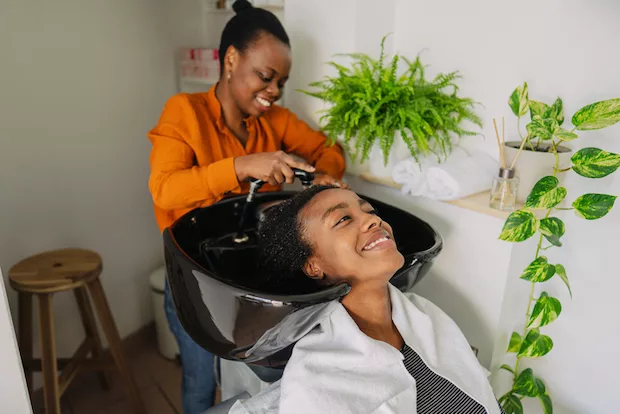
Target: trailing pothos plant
pixel 370 102
pixel 547 194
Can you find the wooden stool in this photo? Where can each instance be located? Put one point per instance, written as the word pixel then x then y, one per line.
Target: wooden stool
pixel 55 271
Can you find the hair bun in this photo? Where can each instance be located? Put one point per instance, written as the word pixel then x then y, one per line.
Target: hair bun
pixel 241 6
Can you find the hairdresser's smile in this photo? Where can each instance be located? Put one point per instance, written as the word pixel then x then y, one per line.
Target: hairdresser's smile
pixel 263 102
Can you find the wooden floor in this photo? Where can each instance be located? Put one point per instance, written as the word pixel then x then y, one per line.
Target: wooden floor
pixel 158 378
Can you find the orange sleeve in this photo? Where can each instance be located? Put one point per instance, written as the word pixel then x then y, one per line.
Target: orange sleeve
pixel 298 138
pixel 175 181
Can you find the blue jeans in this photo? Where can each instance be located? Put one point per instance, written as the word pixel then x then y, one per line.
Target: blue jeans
pixel 198 383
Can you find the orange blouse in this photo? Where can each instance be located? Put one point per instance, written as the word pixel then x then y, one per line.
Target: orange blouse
pixel 193 151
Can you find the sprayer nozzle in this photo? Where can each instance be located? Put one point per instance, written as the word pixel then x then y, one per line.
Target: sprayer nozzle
pixel 305 177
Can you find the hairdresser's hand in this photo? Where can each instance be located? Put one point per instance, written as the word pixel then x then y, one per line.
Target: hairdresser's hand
pixel 271 167
pixel 324 179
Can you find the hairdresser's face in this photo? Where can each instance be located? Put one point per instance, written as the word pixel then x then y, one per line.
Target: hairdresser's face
pixel 258 74
pixel 349 241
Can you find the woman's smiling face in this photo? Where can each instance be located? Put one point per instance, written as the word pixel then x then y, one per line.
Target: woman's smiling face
pixel 259 73
pixel 349 240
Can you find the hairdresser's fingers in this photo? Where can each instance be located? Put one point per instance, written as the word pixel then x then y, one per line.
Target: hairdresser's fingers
pixel 288 173
pixel 324 179
pixel 279 177
pixel 294 163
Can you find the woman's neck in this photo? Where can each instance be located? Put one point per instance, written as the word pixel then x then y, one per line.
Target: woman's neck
pixel 233 118
pixel 371 309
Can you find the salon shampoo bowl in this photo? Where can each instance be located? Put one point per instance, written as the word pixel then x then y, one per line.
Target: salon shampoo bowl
pixel 224 308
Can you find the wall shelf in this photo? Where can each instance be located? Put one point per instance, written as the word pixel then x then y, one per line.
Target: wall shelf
pixel 477 202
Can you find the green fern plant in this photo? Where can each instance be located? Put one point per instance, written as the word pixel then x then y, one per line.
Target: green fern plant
pixel 370 101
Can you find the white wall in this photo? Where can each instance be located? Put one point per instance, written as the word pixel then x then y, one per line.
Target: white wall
pixel 82 82
pixel 566 48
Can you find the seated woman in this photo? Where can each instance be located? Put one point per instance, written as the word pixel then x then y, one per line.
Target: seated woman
pixel 382 351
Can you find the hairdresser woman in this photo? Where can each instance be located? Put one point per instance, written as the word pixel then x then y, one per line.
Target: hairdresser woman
pixel 206 145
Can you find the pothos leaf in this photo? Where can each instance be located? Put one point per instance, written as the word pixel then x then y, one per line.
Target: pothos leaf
pixel 512 404
pixel 594 206
pixel 519 226
pixel 561 271
pixel 546 193
pixel 515 342
pixel 518 101
pixel 597 115
pixel 546 403
pixel 528 385
pixel 546 310
pixel 552 228
pixel 556 112
pixel 538 271
pixel 538 108
pixel 542 128
pixel 595 163
pixel 535 345
pixel 565 135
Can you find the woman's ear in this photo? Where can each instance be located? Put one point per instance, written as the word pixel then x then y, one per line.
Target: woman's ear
pixel 231 58
pixel 313 270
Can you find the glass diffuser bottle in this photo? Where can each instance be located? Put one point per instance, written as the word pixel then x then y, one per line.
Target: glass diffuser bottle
pixel 504 190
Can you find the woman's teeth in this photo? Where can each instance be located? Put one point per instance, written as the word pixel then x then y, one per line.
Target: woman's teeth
pixel 263 102
pixel 376 242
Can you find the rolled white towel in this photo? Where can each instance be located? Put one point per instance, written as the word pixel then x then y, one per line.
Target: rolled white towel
pixel 412 175
pixel 460 178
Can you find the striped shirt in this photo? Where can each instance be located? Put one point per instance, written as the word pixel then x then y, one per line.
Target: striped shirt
pixel 435 394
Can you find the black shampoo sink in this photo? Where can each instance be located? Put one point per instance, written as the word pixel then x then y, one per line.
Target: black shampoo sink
pixel 221 300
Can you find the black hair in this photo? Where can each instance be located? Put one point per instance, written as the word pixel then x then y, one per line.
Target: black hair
pixel 282 248
pixel 246 26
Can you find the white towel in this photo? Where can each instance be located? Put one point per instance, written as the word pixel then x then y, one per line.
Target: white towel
pixel 461 178
pixel 412 175
pixel 461 175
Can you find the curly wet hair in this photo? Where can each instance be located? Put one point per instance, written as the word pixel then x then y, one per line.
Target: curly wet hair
pixel 282 249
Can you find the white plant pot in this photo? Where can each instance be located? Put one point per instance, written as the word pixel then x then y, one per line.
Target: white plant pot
pixel 531 166
pixel 398 152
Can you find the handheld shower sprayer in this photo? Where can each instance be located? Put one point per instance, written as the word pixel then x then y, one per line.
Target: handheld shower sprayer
pixel 306 179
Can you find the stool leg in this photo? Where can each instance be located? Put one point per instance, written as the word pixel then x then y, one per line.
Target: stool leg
pixel 48 354
pixel 114 341
pixel 25 334
pixel 90 328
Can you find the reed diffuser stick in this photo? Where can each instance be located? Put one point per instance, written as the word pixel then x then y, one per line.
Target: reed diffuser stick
pixel 499 145
pixel 518 153
pixel 503 135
